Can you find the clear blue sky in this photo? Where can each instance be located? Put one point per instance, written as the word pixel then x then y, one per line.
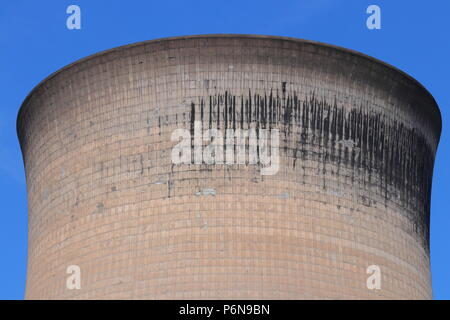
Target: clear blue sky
pixel 35 42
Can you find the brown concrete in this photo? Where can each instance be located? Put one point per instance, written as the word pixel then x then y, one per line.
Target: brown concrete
pixel 358 139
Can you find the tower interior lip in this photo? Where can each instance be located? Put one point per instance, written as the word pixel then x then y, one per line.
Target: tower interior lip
pixel 238 36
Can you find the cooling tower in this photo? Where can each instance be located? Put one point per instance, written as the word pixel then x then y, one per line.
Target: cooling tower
pixel 229 167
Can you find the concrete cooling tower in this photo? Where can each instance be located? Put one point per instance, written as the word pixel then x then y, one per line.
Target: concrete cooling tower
pixel 229 167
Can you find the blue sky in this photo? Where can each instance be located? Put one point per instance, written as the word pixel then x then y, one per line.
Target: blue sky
pixel 35 42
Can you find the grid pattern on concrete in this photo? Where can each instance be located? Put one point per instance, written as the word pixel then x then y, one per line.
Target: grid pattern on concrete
pixel 104 194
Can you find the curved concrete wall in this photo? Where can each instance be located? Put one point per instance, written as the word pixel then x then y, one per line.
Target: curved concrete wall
pixel 357 140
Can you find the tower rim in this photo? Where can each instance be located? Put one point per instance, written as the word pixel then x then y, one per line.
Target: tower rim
pixel 236 36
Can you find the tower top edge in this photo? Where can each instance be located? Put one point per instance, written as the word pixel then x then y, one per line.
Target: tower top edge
pixel 323 45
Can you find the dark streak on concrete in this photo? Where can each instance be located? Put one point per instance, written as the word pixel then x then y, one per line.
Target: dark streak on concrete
pixel 380 151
